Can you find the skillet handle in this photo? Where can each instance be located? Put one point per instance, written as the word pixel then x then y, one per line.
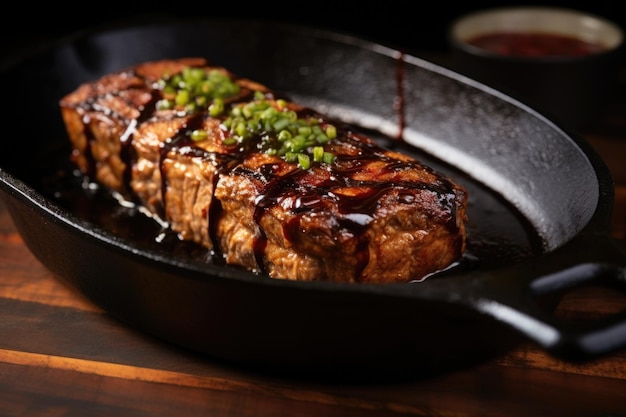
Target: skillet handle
pixel 585 261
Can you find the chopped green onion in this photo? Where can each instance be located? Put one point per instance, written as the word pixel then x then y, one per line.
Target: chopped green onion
pixel 318 154
pixel 274 128
pixel 291 157
pixel 195 89
pixel 331 131
pixel 217 107
pixel 182 98
pixel 284 135
pixel 280 131
pixel 304 161
pixel 280 124
pixel 328 158
pixel 199 134
pixel 164 105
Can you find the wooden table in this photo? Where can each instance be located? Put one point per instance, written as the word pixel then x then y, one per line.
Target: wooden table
pixel 62 356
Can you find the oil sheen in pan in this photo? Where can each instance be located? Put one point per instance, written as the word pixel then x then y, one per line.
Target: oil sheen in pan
pixel 497 233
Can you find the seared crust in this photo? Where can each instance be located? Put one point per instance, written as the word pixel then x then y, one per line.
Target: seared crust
pixel 372 215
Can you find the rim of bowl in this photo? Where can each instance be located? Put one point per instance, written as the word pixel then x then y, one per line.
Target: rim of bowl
pixel 563 21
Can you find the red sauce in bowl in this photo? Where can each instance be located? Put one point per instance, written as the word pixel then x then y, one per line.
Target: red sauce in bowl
pixel 535 44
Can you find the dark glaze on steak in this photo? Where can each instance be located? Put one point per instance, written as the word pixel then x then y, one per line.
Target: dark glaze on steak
pixel 367 215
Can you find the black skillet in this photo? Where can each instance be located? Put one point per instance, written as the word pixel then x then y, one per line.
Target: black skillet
pixel 540 205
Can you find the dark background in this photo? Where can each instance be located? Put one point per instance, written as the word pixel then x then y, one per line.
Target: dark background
pixel 406 25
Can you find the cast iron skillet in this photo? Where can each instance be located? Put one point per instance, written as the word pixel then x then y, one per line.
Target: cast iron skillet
pixel 540 203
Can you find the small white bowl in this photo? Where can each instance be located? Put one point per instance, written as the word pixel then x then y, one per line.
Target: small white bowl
pixel 571 89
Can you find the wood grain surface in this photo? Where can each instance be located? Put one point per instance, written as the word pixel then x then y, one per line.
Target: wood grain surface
pixel 62 356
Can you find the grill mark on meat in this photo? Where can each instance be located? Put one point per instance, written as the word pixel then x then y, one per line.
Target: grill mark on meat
pixel 214 212
pixel 88 153
pixel 128 154
pixel 180 138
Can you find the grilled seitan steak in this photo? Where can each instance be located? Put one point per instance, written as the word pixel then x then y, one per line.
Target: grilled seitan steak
pixel 261 181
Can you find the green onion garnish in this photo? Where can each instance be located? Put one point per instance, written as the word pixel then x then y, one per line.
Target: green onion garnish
pixel 280 132
pixel 195 89
pixel 275 129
